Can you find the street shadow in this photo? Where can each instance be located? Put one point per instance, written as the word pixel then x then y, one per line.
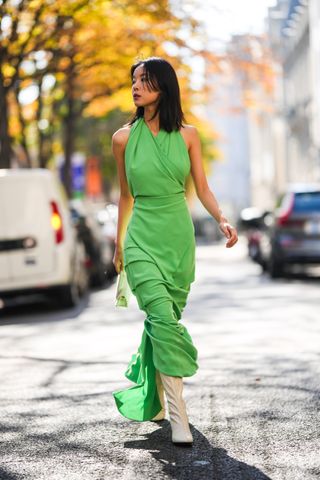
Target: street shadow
pixel 39 309
pixel 201 461
pixel 7 475
pixel 297 272
pixel 42 308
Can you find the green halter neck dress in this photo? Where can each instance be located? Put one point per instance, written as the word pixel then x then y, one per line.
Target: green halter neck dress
pixel 159 260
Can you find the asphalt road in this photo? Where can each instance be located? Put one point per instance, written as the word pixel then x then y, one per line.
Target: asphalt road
pixel 253 404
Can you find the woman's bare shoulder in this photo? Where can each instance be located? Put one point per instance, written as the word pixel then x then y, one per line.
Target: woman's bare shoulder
pixel 190 134
pixel 189 129
pixel 120 137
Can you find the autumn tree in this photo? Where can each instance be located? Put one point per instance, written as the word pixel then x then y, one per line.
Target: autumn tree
pixel 103 43
pixel 84 51
pixel 28 28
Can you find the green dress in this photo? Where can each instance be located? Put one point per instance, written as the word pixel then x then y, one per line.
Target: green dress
pixel 159 260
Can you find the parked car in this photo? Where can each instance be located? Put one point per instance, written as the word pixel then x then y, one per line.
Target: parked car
pixel 39 249
pixel 252 222
pixel 206 228
pixel 291 233
pixel 99 248
pixel 108 220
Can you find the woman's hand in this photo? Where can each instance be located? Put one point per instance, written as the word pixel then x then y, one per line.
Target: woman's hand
pixel 118 259
pixel 229 231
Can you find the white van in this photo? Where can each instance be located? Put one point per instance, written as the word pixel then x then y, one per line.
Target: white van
pixel 39 250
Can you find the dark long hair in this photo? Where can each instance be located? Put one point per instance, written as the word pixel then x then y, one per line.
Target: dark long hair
pixel 160 75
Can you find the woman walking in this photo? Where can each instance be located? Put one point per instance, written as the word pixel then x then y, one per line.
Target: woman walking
pixel 156 243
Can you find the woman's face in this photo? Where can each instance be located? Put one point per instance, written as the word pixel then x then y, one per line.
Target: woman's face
pixel 143 96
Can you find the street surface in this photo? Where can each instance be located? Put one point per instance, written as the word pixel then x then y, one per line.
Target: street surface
pixel 254 404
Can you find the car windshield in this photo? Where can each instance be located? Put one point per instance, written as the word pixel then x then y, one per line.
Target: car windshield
pixel 307 202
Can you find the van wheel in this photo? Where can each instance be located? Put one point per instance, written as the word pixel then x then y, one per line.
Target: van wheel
pixel 69 295
pixel 83 282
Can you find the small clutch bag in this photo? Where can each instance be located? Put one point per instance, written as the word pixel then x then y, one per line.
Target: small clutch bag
pixel 123 291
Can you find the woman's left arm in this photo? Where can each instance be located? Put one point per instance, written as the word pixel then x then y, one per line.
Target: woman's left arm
pixel 204 193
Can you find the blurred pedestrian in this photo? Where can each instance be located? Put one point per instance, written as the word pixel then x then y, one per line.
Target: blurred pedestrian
pixel 155 241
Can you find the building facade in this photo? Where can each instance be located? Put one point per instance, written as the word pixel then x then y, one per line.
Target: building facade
pixel 274 139
pixel 243 113
pixel 295 40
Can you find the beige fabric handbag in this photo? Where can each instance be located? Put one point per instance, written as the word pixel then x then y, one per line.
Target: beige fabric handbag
pixel 123 291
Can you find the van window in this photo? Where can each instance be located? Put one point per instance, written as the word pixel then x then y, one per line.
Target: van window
pixel 307 202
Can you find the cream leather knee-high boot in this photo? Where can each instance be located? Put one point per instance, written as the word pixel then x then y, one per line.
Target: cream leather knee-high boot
pixel 173 387
pixel 162 414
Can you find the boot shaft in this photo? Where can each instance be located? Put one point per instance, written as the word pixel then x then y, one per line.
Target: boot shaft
pixel 173 387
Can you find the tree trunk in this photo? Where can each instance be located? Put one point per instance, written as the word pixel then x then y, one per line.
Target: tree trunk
pixel 42 159
pixel 69 145
pixel 23 126
pixel 5 140
pixel 69 130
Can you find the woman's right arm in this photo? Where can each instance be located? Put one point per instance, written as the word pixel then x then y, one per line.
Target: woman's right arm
pixel 119 142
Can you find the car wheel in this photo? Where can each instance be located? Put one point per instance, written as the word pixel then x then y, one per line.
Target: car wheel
pixel 98 279
pixel 69 295
pixel 111 272
pixel 275 268
pixel 253 252
pixel 83 281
